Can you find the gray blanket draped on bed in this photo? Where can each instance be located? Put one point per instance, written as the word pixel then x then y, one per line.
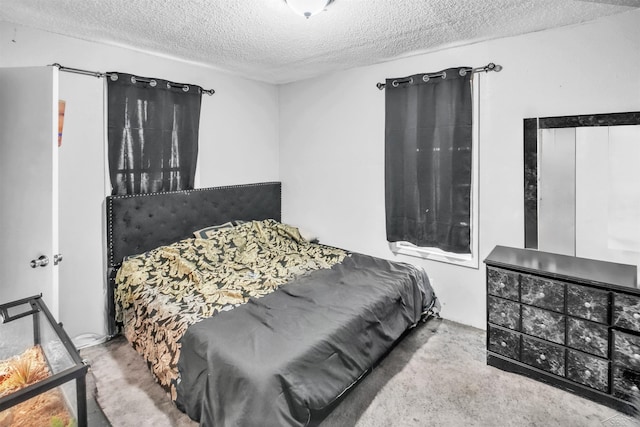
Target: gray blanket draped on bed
pixel 277 359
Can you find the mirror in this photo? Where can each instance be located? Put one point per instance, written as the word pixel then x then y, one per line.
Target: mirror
pixel 581 191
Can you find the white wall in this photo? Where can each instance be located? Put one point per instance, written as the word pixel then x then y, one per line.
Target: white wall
pixel 332 138
pixel 238 144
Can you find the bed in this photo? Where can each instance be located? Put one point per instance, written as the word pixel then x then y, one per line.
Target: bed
pixel 240 318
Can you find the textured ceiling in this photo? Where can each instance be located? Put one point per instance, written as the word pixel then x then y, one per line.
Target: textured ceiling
pixel 264 40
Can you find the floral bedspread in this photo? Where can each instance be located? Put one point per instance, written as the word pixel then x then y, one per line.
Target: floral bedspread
pixel 161 292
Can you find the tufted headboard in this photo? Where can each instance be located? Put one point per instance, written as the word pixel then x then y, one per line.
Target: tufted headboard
pixel 141 222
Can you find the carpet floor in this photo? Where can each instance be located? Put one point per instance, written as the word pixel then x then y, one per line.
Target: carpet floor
pixel 436 376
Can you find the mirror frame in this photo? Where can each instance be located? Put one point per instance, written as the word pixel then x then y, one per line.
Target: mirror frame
pixel 531 128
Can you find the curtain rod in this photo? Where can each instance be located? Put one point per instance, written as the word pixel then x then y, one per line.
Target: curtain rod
pixel 463 71
pixel 100 75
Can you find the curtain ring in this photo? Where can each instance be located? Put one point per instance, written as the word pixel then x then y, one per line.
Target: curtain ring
pixel 425 78
pixel 113 77
pixel 185 88
pixel 462 72
pixel 153 83
pixel 444 75
pixel 410 80
pixel 394 83
pixel 133 79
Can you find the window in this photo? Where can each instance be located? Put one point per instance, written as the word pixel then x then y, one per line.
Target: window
pixel 431 166
pixel 152 134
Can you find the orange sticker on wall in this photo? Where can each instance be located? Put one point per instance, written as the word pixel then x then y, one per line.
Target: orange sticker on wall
pixel 61 106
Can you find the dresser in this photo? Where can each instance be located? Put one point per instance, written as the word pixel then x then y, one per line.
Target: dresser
pixel 571 322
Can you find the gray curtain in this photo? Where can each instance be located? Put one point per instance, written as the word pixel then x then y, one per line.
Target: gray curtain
pixel 152 134
pixel 428 160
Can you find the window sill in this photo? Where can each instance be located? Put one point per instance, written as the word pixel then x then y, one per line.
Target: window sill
pixel 434 254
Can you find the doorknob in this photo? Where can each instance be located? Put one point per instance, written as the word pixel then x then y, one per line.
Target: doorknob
pixel 57 259
pixel 42 261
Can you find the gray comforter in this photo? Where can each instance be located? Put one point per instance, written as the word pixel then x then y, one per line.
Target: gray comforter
pixel 279 359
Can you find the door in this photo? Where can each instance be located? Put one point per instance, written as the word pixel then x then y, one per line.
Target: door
pixel 29 184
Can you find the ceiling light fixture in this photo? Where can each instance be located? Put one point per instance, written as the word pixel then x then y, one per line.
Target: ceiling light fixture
pixel 308 8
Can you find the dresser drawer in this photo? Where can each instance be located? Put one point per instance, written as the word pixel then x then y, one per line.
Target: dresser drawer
pixel 541 292
pixel 588 336
pixel 587 303
pixel 504 313
pixel 588 370
pixel 626 350
pixel 504 342
pixel 543 324
pixel 626 384
pixel 626 311
pixel 503 283
pixel 541 355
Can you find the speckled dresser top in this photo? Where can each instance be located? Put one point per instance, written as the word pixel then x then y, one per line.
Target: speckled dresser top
pixel 566 267
pixel 571 322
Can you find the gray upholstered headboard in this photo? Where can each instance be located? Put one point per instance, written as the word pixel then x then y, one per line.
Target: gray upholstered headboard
pixel 138 223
